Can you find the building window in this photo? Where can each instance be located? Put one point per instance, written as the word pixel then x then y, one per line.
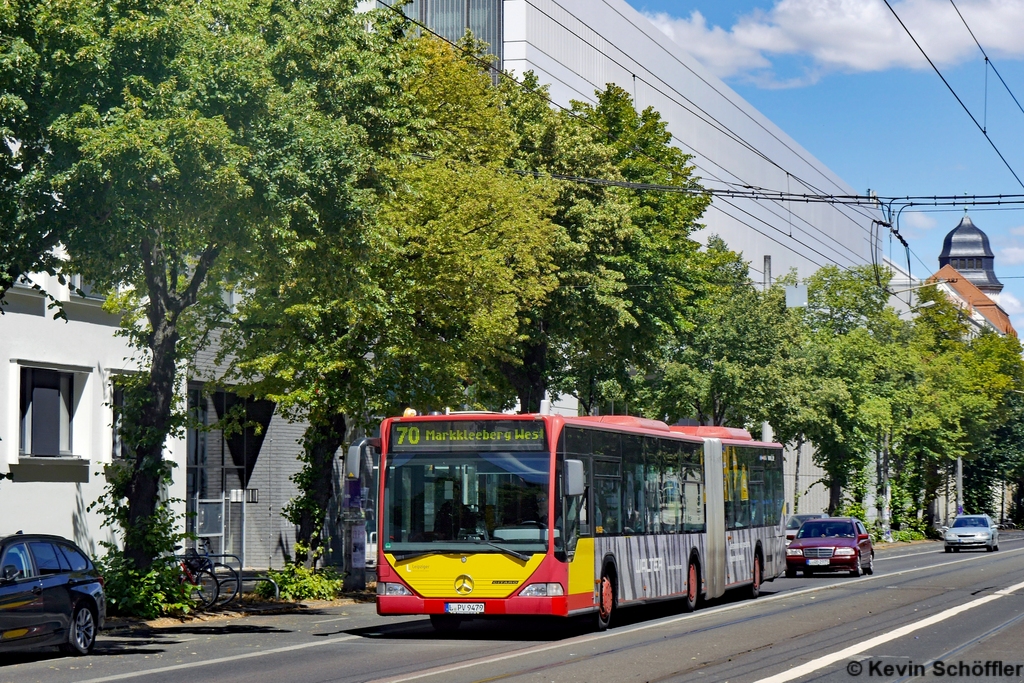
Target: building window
pixel 120 448
pixel 47 411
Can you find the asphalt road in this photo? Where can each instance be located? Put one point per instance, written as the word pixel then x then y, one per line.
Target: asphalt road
pixel 922 613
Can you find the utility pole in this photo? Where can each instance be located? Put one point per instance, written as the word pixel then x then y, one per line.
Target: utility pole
pixel 959 486
pixel 353 519
pixel 767 271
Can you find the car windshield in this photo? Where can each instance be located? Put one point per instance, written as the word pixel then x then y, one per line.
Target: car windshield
pixel 970 522
pixel 826 529
pixel 796 520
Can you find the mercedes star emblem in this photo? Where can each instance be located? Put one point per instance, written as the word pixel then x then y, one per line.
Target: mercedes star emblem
pixel 464 584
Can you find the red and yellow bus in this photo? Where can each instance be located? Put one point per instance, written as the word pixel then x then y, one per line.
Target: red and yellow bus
pixel 487 514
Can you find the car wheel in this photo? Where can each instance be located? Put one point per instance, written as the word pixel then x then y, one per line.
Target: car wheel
pixel 956 550
pixel 995 547
pixel 81 632
pixel 856 571
pixel 808 573
pixel 692 587
pixel 606 606
pixel 445 623
pixel 790 573
pixel 870 569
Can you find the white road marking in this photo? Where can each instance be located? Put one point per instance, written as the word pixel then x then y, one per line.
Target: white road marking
pixel 219 660
pixel 661 623
pixel 846 653
pixel 327 621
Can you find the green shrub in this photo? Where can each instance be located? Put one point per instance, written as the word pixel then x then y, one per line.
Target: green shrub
pixel 297 582
pixel 131 593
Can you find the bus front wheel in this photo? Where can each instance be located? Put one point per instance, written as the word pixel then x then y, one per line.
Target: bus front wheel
pixel 606 601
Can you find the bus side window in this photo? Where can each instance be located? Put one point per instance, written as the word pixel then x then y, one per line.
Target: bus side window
pixel 607 511
pixel 633 513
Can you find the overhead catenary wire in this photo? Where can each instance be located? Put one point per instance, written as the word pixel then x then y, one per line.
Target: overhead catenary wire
pixel 706 117
pixel 734 190
pixel 953 92
pixel 988 61
pixel 490 67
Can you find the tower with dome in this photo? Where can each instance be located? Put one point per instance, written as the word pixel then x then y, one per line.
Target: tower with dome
pixel 967 276
pixel 966 249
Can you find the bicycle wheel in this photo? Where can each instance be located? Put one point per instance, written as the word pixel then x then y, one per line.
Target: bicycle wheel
pixel 204 588
pixel 228 584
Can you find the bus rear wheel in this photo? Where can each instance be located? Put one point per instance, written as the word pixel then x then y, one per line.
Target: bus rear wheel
pixel 692 588
pixel 606 601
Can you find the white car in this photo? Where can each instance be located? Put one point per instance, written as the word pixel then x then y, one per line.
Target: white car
pixel 972 531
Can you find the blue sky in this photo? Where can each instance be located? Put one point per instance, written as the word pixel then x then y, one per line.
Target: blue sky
pixel 843 79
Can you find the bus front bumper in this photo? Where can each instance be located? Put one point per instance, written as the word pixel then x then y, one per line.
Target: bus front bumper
pixel 412 604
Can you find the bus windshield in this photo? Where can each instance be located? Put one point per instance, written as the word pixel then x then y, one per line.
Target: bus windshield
pixel 451 502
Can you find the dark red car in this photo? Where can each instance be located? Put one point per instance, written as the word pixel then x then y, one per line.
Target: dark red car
pixel 831 545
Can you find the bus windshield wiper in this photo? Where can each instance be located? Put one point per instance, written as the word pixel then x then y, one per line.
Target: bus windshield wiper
pixel 410 554
pixel 508 551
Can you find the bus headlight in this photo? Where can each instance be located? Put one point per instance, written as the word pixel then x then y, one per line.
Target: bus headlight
pixel 542 590
pixel 392 589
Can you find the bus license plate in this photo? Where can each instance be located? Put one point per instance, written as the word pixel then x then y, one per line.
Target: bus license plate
pixel 464 607
pixel 817 563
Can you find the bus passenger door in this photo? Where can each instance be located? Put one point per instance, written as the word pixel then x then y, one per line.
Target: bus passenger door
pixel 579 545
pixel 715 548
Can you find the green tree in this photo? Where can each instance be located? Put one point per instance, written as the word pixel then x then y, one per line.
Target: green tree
pixel 361 315
pixel 623 255
pixel 727 368
pixel 179 138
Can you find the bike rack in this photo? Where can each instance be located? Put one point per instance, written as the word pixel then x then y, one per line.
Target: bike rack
pixel 238 572
pixel 277 589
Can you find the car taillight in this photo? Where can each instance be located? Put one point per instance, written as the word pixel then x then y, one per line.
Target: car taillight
pixel 103 582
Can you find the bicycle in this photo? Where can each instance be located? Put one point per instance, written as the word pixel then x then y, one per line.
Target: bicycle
pixel 197 571
pixel 228 580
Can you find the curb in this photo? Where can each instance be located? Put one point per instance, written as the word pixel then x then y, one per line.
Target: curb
pixel 235 612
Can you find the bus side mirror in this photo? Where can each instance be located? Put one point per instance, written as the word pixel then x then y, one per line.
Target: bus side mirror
pixel 354 457
pixel 575 482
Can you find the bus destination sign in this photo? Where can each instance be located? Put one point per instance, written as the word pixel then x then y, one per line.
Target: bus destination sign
pixel 449 436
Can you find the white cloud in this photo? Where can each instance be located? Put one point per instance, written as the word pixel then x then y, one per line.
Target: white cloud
pixel 848 35
pixel 1010 303
pixel 918 220
pixel 1019 230
pixel 1012 256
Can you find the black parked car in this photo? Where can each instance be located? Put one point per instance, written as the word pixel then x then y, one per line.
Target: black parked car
pixel 50 594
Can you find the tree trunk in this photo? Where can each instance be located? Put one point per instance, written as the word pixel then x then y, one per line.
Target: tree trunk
pixel 149 467
pixel 155 416
pixel 796 477
pixel 321 441
pixel 530 380
pixel 835 496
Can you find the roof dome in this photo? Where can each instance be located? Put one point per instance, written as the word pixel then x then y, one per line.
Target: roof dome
pixel 966 248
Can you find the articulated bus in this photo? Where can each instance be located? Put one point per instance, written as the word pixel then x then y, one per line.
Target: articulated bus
pixel 492 514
